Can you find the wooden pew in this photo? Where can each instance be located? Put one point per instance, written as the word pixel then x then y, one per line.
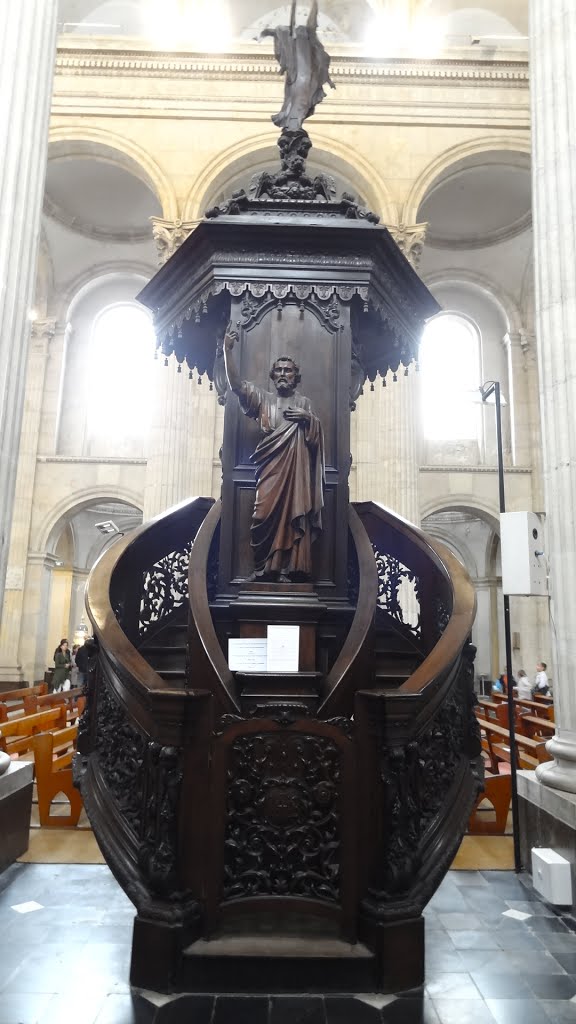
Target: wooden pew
pixel 16 734
pixel 498 792
pixel 19 700
pixel 54 700
pixel 53 753
pixel 543 699
pixel 535 725
pixel 498 712
pixel 535 707
pixel 530 753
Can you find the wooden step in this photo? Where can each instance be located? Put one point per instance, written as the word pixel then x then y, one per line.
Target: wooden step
pixel 233 963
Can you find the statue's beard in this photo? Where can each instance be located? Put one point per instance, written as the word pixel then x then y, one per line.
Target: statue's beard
pixel 283 387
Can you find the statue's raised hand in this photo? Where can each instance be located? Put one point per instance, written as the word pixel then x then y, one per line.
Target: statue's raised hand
pixel 230 338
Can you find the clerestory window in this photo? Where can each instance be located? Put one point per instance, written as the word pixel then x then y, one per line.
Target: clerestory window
pixel 450 375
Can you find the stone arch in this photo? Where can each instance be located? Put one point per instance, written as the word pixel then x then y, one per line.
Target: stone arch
pixel 90 279
pixel 327 153
pixel 47 531
pixel 452 544
pixel 463 502
pixel 484 284
pixel 473 147
pixel 136 159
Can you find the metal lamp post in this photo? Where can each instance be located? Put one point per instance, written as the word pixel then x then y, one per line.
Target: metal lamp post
pixel 489 388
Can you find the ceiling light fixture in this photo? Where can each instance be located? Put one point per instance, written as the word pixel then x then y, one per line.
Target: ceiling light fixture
pixel 107 527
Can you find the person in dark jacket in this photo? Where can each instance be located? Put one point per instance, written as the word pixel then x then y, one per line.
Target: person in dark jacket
pixel 82 656
pixel 62 666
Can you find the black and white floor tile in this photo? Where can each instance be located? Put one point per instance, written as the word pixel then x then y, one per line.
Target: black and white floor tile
pixel 496 954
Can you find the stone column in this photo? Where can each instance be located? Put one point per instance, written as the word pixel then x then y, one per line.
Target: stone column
pixel 553 92
pixel 36 643
pixel 387 431
pixel 42 334
pixel 519 398
pixel 181 443
pixel 27 57
pixel 387 449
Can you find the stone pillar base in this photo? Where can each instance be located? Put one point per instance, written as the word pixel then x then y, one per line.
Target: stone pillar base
pixel 560 773
pixel 547 819
pixel 11 677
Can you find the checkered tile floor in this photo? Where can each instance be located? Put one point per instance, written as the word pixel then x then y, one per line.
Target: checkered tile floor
pixel 495 953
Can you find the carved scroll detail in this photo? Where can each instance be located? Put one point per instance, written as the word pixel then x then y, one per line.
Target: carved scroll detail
pixel 164 588
pixel 120 750
pixel 393 577
pixel 283 826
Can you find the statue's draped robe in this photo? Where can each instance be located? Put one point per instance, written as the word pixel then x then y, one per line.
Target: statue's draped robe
pixel 289 464
pixel 305 63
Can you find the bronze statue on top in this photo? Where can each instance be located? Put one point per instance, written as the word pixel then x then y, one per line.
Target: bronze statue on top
pixel 289 464
pixel 305 63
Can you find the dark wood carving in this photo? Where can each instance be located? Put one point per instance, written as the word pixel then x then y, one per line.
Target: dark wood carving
pixel 305 63
pixel 310 808
pixel 283 825
pixel 121 752
pixel 289 469
pixel 164 589
pixel 330 799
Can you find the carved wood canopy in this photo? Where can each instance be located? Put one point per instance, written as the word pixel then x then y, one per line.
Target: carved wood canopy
pixel 270 254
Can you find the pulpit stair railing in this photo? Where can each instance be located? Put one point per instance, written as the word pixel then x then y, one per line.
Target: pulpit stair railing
pixel 155 762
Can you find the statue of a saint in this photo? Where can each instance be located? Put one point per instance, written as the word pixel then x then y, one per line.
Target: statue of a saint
pixel 289 464
pixel 305 63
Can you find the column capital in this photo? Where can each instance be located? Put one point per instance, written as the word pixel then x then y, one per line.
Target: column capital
pixel 169 235
pixel 43 330
pixel 410 240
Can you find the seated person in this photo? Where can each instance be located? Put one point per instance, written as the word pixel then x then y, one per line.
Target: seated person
pixel 541 688
pixel 524 687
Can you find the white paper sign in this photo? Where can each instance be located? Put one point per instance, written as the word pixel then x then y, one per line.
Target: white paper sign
pixel 283 649
pixel 247 655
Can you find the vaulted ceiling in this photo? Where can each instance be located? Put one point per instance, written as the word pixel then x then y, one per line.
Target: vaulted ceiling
pixel 461 21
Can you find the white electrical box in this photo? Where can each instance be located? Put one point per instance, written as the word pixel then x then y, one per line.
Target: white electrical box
pixel 552 876
pixel 524 563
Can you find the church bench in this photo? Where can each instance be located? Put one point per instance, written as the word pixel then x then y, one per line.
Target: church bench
pixel 498 712
pixel 70 698
pixel 15 735
pixel 530 752
pixel 20 700
pixel 543 699
pixel 536 725
pixel 498 792
pixel 533 706
pixel 53 754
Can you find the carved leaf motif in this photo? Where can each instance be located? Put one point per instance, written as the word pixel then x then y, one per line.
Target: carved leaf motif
pixel 164 588
pixel 283 827
pixel 393 579
pixel 120 751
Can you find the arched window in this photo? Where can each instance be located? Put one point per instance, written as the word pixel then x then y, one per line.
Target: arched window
pixel 120 373
pixel 450 375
